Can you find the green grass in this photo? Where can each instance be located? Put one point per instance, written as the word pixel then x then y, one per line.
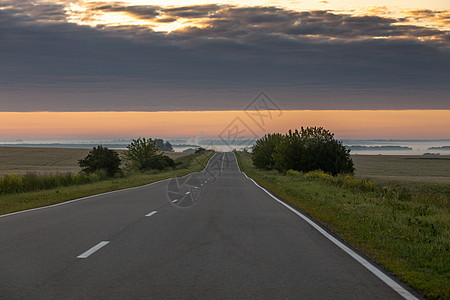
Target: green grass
pixel 21 201
pixel 408 233
pixel 403 168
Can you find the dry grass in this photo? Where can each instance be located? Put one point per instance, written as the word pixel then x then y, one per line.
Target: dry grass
pixel 22 160
pixel 412 168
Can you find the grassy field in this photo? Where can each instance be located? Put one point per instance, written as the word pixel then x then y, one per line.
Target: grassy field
pixel 406 232
pixel 416 168
pixel 22 160
pixel 16 202
pixel 416 173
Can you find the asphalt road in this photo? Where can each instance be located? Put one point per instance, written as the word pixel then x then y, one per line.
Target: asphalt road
pixel 209 235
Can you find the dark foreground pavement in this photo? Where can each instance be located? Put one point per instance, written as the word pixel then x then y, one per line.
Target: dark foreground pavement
pixel 209 235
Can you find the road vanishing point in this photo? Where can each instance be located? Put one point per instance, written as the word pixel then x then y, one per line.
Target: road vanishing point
pixel 214 234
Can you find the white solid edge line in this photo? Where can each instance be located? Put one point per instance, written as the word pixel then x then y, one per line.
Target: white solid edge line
pixel 93 249
pixel 93 196
pixel 237 164
pixel 209 161
pixel 151 213
pixel 383 277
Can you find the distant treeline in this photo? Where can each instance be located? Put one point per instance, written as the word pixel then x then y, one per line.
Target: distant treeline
pixel 185 145
pixel 382 148
pixel 440 148
pixel 163 146
pixel 61 145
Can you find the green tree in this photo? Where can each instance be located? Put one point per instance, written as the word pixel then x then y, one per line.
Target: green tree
pixel 145 155
pixel 163 146
pixel 264 149
pixel 200 150
pixel 307 149
pixel 101 158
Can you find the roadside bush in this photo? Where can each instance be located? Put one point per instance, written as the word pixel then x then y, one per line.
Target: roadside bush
pixel 160 162
pixel 311 148
pixel 11 184
pixel 101 158
pixel 343 180
pixel 293 173
pixel 200 150
pixel 32 182
pixel 318 174
pixel 263 151
pixel 145 155
pixel 348 181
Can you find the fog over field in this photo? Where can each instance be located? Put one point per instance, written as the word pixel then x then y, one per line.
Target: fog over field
pixel 366 147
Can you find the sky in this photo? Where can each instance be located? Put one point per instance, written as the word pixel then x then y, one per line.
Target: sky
pixel 216 56
pixel 224 125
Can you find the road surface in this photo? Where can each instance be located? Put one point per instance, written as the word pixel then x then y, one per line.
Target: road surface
pixel 209 235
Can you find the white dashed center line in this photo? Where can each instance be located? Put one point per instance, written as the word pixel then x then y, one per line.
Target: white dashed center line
pixel 93 249
pixel 151 213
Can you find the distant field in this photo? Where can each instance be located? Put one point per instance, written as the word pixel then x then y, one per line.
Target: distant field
pixel 381 168
pixel 404 168
pixel 20 160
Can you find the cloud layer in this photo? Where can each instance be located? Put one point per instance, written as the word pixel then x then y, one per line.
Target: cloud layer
pixel 219 56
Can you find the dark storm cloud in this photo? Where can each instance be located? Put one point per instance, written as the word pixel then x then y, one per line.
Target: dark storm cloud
pixel 437 16
pixel 324 24
pixel 37 13
pixel 141 11
pixel 231 21
pixel 192 11
pixel 307 60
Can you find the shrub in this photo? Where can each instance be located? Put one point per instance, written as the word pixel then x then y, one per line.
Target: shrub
pixel 348 181
pixel 311 148
pixel 145 155
pixel 318 174
pixel 263 151
pixel 32 182
pixel 163 146
pixel 293 173
pixel 101 158
pixel 200 150
pixel 11 184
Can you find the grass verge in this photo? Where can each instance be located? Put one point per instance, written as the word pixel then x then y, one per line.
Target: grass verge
pixel 409 234
pixel 21 201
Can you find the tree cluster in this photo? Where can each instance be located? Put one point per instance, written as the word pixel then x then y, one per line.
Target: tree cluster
pixel 101 158
pixel 307 149
pixel 163 146
pixel 144 154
